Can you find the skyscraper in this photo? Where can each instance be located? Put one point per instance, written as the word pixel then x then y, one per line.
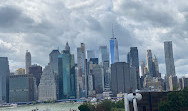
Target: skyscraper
pixel 134 62
pixel 133 78
pixel 27 62
pixel 128 57
pixel 66 78
pixel 149 62
pixel 157 73
pixel 47 86
pixel 114 53
pixel 169 61
pixel 120 78
pixel 4 79
pixel 90 54
pixel 98 73
pixel 36 71
pixel 53 58
pixel 142 68
pixel 22 88
pixel 82 76
pixel 103 54
pixel 107 76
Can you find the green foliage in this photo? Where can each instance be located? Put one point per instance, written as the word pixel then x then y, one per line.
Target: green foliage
pixel 34 102
pixel 120 104
pixel 117 109
pixel 86 107
pixel 177 101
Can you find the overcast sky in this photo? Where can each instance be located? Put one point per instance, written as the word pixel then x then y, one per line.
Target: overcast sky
pixel 42 25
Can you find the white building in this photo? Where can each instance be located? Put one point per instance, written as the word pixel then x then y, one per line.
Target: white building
pixel 27 62
pixel 47 86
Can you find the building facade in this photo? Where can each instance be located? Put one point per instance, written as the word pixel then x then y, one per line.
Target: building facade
pixel 82 76
pixel 120 78
pixel 90 54
pixel 22 88
pixel 149 62
pixel 98 73
pixel 47 86
pixel 19 71
pixel 4 80
pixel 103 54
pixel 66 78
pixel 114 53
pixel 53 58
pixel 169 61
pixel 142 68
pixel 173 83
pixel 134 62
pixel 36 71
pixel 27 61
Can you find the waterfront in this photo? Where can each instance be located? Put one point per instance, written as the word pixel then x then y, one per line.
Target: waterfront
pixel 43 107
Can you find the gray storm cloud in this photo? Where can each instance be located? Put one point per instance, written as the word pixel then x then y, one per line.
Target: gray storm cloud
pixel 41 26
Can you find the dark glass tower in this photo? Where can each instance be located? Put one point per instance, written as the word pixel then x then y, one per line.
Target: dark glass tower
pixel 66 68
pixel 133 60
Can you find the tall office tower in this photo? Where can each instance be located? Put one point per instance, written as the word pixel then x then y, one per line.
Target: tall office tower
pixel 77 82
pixel 114 53
pixel 173 83
pixel 133 78
pixel 149 62
pixel 98 73
pixel 90 54
pixel 27 62
pixel 145 70
pixel 134 62
pixel 103 54
pixel 67 48
pixel 90 65
pixel 142 68
pixel 82 76
pixel 53 58
pixel 120 78
pixel 22 88
pixel 47 86
pixel 66 76
pixel 169 61
pixel 128 57
pixel 36 71
pixel 4 80
pixel 106 74
pixel 156 66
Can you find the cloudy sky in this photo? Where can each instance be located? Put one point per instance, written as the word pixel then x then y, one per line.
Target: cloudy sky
pixel 42 25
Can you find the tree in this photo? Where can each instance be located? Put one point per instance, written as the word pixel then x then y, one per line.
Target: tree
pixel 86 107
pixel 177 101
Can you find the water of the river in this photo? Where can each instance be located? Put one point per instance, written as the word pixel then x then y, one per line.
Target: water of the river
pixel 45 107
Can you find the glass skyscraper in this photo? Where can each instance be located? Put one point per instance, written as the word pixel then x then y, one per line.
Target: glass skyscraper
pixel 90 54
pixel 114 53
pixel 134 62
pixel 4 79
pixel 103 54
pixel 66 69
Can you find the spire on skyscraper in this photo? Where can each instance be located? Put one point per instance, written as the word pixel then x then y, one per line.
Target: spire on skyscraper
pixel 112 31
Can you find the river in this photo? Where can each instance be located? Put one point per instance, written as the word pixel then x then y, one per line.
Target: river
pixel 44 107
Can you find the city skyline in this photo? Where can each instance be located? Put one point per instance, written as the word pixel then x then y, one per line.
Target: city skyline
pixel 34 32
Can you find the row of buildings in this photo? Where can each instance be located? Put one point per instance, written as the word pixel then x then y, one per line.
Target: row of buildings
pixel 90 76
